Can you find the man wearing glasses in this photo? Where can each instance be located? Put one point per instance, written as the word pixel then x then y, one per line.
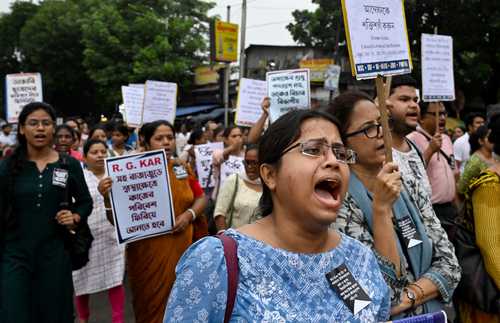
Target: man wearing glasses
pixel 437 149
pixel 403 109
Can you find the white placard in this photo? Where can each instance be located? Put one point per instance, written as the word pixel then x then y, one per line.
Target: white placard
pixel 160 101
pixel 332 77
pixel 232 165
pixel 377 37
pixel 250 96
pixel 140 196
pixel 438 81
pixel 22 89
pixel 203 154
pixel 288 90
pixel 133 100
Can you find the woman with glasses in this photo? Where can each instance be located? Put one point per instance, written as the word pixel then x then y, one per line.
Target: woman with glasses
pixel 292 266
pixel 396 221
pixel 35 268
pixel 240 194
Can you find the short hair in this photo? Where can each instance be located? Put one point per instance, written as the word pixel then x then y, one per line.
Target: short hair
pixel 469 119
pixel 481 133
pixel 402 80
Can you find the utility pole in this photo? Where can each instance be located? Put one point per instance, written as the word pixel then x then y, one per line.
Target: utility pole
pixel 243 32
pixel 227 75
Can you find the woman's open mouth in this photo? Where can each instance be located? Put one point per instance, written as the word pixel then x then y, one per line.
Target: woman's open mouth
pixel 328 191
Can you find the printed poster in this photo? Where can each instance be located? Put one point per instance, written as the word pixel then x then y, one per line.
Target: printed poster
pixel 204 159
pixel 21 89
pixel 438 81
pixel 376 37
pixel 141 199
pixel 250 96
pixel 288 90
pixel 160 101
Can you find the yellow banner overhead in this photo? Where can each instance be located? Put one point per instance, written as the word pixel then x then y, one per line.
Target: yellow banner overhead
pixel 224 41
pixel 318 68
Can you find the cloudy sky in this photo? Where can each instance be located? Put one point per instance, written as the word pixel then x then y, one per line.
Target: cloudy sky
pixel 266 19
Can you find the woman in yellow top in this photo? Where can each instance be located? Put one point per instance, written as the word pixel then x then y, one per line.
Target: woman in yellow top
pixel 151 262
pixel 484 192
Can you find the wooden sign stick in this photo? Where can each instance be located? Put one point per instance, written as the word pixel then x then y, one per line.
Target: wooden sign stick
pixel 382 94
pixel 437 123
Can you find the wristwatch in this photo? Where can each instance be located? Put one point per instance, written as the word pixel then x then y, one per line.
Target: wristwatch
pixel 411 296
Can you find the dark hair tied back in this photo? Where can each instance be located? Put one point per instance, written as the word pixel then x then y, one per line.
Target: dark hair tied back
pixel 278 137
pixel 17 160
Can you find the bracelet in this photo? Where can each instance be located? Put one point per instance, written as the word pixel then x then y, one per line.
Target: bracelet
pixel 108 209
pixel 419 288
pixel 192 213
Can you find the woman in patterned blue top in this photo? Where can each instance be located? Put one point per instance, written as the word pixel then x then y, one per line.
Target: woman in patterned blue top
pixel 292 267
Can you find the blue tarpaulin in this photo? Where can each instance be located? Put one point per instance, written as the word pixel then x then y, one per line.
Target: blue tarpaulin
pixel 184 111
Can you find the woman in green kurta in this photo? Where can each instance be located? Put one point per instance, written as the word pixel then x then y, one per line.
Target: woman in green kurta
pixel 35 268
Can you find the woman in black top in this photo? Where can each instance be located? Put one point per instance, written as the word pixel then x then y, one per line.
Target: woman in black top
pixel 35 268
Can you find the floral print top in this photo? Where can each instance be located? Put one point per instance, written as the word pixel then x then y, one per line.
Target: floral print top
pixel 275 285
pixel 444 271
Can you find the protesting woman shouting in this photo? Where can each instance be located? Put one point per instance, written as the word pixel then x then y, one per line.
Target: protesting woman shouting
pixel 151 262
pixel 35 268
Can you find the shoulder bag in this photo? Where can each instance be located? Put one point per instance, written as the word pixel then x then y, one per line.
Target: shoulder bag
pixel 79 240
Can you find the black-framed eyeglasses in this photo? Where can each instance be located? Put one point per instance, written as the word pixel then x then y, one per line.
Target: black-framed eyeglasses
pixel 319 147
pixel 371 131
pixel 441 113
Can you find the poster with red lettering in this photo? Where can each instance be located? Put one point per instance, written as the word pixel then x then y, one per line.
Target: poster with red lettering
pixel 140 195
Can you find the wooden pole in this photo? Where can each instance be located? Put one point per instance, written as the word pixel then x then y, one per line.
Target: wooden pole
pixel 382 94
pixel 437 121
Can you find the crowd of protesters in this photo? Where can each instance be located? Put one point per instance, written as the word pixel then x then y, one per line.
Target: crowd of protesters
pixel 315 194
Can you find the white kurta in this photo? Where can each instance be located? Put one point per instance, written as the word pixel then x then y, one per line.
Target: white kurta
pixel 106 266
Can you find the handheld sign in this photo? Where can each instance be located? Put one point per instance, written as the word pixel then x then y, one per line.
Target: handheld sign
pixel 378 46
pixel 288 90
pixel 233 165
pixel 438 82
pixel 250 96
pixel 21 89
pixel 160 101
pixel 203 154
pixel 140 196
pixel 376 37
pixel 133 100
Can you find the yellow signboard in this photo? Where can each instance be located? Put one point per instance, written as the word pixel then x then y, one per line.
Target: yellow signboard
pixel 204 75
pixel 318 67
pixel 225 41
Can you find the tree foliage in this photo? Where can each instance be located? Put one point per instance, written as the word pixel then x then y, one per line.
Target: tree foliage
pixel 474 25
pixel 87 49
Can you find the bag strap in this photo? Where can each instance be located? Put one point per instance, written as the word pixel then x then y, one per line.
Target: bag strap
pixel 429 139
pixel 233 197
pixel 417 149
pixel 231 255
